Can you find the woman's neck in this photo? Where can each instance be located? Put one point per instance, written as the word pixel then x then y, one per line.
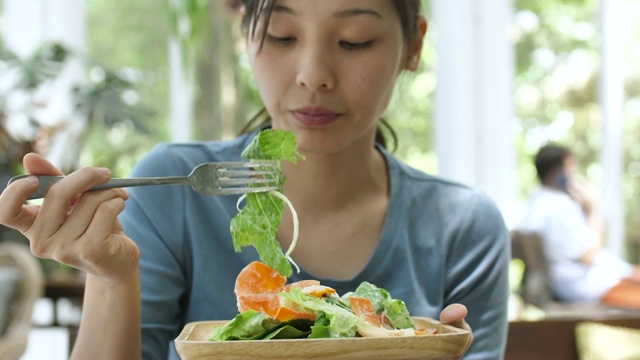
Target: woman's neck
pixel 328 181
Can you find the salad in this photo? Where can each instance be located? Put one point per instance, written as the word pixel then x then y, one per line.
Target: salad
pixel 272 309
pixel 256 224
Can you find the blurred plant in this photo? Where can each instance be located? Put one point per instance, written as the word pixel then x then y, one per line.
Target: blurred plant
pixel 20 79
pixel 59 127
pixel 210 40
pixel 110 98
pixel 189 20
pixel 116 117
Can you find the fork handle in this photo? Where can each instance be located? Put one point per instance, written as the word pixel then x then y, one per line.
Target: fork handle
pixel 46 181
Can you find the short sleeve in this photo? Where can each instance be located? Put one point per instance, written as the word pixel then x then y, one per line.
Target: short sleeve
pixel 153 220
pixel 567 232
pixel 478 275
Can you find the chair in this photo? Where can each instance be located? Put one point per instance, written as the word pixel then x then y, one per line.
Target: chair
pixel 536 283
pixel 28 287
pixel 553 336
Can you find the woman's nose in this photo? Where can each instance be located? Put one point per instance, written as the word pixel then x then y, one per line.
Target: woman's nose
pixel 316 70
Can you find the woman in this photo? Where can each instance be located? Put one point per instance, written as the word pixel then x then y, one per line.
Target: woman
pixel 326 71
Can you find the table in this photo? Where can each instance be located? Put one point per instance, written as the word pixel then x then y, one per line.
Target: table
pixel 552 338
pixel 71 287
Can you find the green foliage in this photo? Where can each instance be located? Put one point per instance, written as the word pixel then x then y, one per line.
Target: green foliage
pixel 410 111
pixel 110 98
pixel 556 67
pixel 118 122
pixel 25 75
pixel 43 65
pixel 557 48
pixel 107 100
pixel 189 20
pixel 130 38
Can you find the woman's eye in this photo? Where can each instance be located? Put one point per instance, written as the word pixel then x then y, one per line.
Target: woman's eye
pixel 356 45
pixel 281 40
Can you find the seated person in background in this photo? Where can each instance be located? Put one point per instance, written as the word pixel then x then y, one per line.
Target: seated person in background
pixel 564 212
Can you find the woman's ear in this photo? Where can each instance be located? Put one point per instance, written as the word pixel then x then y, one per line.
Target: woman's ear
pixel 415 49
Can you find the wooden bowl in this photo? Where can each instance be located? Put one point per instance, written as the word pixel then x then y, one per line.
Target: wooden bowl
pixel 448 344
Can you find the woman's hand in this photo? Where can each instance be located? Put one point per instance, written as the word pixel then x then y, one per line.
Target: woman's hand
pixel 454 315
pixel 72 226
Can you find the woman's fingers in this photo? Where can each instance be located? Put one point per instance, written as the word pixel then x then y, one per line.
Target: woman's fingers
pixel 87 209
pixel 106 250
pixel 62 195
pixel 91 237
pixel 13 212
pixel 114 248
pixel 454 315
pixel 36 164
pixel 72 225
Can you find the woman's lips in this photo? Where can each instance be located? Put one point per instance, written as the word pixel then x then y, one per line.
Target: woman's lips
pixel 314 116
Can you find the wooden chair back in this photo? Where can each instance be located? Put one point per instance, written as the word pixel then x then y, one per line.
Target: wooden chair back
pixel 13 342
pixel 536 283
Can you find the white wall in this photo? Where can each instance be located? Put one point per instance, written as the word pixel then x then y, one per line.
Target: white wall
pixel 474 116
pixel 611 95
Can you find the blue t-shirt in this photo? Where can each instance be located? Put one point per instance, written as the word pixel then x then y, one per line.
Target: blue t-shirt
pixel 441 243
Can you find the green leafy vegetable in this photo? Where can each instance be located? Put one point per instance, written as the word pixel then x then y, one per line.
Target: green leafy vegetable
pixel 273 144
pixel 290 330
pixel 396 310
pixel 398 314
pixel 257 223
pixel 255 325
pixel 334 317
pixel 342 322
pixel 244 326
pixel 377 296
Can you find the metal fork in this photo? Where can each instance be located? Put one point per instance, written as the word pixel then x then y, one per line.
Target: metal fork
pixel 213 178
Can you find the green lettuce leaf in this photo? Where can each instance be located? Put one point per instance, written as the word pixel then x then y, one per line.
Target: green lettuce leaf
pixel 321 328
pixel 289 331
pixel 273 144
pixel 244 326
pixel 257 223
pixel 398 314
pixel 396 310
pixel 255 325
pixel 378 296
pixel 341 322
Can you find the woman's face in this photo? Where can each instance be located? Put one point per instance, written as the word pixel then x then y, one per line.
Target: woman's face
pixel 327 69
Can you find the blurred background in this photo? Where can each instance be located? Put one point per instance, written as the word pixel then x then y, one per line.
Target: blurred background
pixel 100 82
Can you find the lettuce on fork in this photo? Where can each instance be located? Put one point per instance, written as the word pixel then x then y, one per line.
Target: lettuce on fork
pixel 257 222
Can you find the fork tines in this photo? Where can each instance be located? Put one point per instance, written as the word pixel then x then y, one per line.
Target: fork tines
pixel 238 169
pixel 250 174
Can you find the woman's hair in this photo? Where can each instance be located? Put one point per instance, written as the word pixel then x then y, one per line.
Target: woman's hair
pixel 408 10
pixel 549 158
